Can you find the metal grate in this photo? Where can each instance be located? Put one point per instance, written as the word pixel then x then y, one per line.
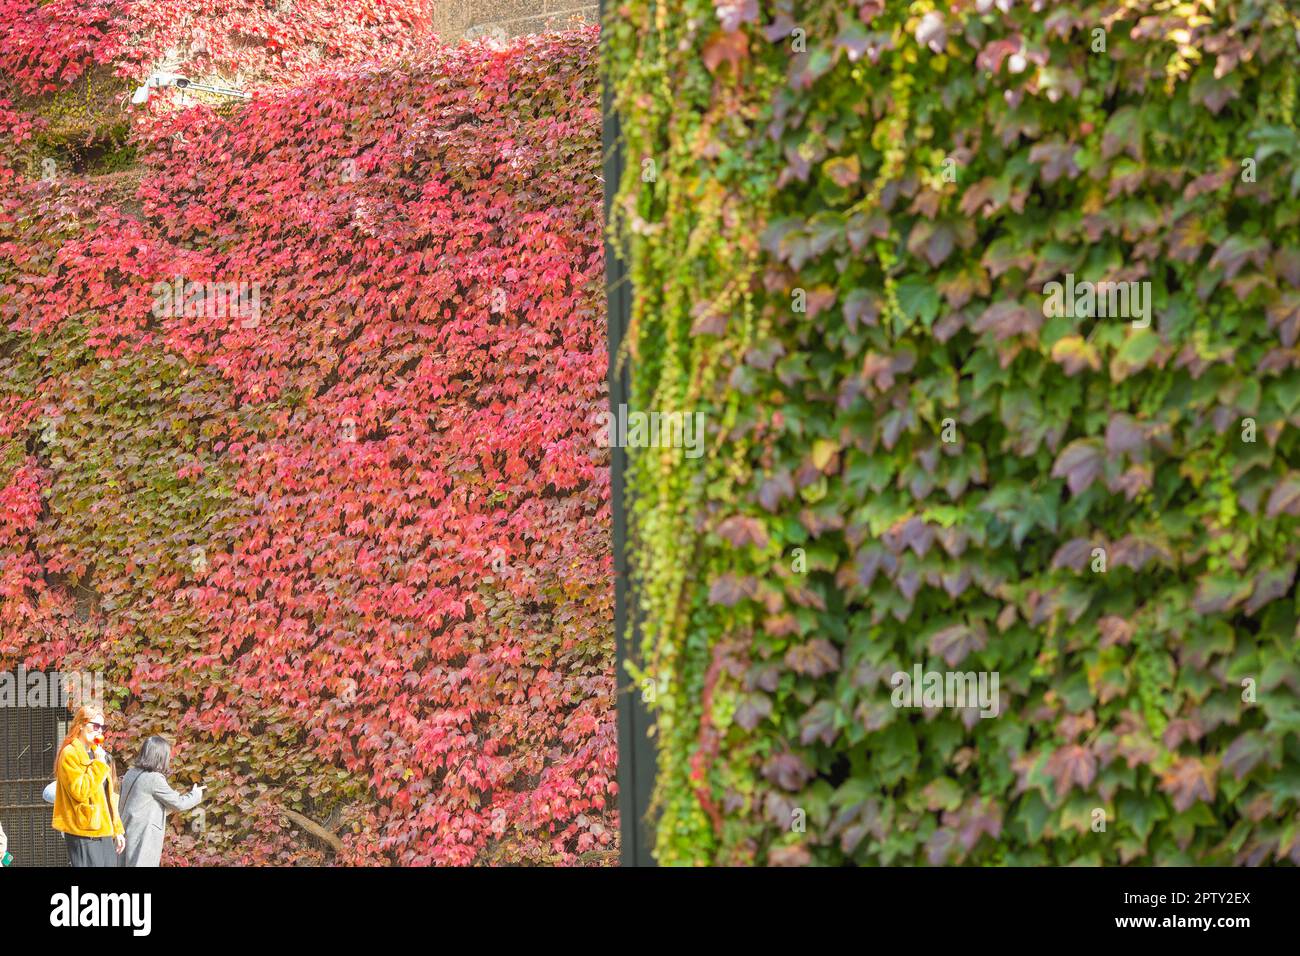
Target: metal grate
pixel 28 738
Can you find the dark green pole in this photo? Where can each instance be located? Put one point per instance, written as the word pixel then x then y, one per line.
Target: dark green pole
pixel 636 757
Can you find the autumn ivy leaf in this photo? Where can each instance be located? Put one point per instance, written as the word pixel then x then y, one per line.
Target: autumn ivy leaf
pixel 753 709
pixel 823 450
pixel 1133 481
pixel 911 532
pixel 870 561
pixel 1125 436
pixel 943 793
pixel 814 658
pixel 843 171
pixel 933 242
pixel 1115 630
pixel 775 489
pixel 1074 554
pixel 729 589
pixel 940 846
pixel 960 288
pixel 1138 349
pixel 1245 753
pixel 954 643
pixel 1136 551
pixel 1236 251
pixel 1070 766
pixel 1278 672
pixel 1057 159
pixel 1285 497
pixel 1214 92
pixel 853 39
pixel 995 51
pixel 806 70
pixel 1287 263
pixel 1008 318
pixel 818 724
pixel 1004 254
pixel 1217 593
pixel 733 13
pixel 764 355
pixel 780 28
pixel 743 531
pixel 787 770
pixel 709 320
pixel 1074 355
pixel 956 582
pixel 932 32
pixel 794 855
pixel 1269 585
pixel 974 820
pixel 1080 463
pixel 861 306
pixel 726 46
pixel 820 298
pixel 1189 780
pixel 1123 133
pixel 1284 316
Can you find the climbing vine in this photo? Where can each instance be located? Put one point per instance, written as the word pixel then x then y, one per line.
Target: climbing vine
pixel 345 537
pixel 842 225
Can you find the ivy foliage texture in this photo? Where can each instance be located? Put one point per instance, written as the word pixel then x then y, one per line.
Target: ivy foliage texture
pixel 350 547
pixel 842 223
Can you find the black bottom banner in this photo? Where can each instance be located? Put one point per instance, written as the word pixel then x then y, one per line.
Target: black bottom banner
pixel 295 906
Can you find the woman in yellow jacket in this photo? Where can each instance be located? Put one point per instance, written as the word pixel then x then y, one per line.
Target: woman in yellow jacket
pixel 85 798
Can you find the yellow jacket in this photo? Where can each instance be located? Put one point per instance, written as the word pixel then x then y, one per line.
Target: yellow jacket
pixel 80 804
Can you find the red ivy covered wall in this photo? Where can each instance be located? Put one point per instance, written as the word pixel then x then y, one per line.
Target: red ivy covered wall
pixel 351 547
pixel 46 44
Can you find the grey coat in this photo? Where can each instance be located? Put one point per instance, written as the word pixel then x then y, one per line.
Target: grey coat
pixel 145 799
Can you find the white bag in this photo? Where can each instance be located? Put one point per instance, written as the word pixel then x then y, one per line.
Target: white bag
pixel 48 793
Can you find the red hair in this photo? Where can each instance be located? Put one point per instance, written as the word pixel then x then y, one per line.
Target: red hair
pixel 79 722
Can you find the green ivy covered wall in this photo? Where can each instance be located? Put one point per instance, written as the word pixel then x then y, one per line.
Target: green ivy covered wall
pixel 991 315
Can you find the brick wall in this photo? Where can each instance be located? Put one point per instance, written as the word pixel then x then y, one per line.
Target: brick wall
pixel 454 19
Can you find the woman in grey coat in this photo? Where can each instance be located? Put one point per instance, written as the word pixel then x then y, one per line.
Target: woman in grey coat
pixel 146 796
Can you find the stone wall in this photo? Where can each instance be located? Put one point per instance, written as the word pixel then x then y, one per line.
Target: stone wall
pixel 454 19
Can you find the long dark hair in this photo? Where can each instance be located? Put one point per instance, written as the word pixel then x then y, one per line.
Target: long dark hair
pixel 155 755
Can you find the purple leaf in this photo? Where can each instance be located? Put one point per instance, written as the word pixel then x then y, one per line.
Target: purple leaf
pixel 742 530
pixel 1079 464
pixel 732 13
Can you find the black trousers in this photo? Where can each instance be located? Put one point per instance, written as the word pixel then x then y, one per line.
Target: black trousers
pixel 90 851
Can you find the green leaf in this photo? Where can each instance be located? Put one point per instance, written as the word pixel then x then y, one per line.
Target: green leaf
pixel 919 299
